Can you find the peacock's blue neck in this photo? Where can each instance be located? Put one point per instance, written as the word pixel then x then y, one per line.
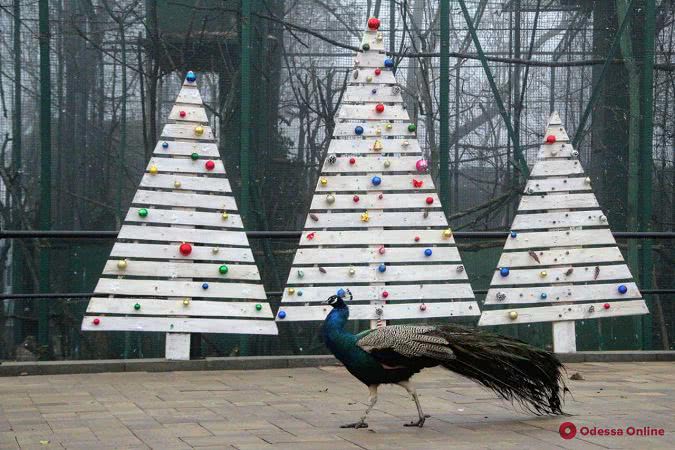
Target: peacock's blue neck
pixel 334 335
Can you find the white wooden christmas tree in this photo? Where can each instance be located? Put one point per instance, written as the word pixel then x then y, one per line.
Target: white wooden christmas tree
pixel 182 263
pixel 375 226
pixel 561 252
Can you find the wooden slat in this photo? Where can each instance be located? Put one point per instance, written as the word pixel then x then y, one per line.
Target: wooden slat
pixel 180 325
pixel 364 183
pixel 562 257
pixel 563 312
pixel 555 275
pixel 178 269
pixel 557 150
pixel 558 131
pixel 173 307
pixel 376 219
pixel 557 185
pixel 577 293
pixel 558 220
pixel 185 199
pixel 372 201
pixel 186 131
pixel 188 183
pixel 191 289
pixel 370 130
pixel 370 60
pixel 186 165
pixel 364 94
pixel 554 119
pixel 398 292
pixel 548 239
pixel 372 164
pixel 358 146
pixel 398 273
pixel 367 237
pixel 204 149
pixel 387 77
pixel 556 168
pixel 177 217
pixel 370 37
pixel 371 255
pixel 172 234
pixel 390 311
pixel 367 112
pixel 190 95
pixel 169 252
pixel 557 201
pixel 193 114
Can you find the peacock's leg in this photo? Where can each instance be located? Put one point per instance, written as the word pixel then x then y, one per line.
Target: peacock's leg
pixel 372 399
pixel 407 385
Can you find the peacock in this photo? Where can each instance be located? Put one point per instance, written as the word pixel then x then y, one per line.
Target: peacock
pixel 516 371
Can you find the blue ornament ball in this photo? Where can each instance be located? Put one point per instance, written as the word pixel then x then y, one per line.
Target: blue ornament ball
pixel 514 234
pixel 427 252
pixel 543 295
pixel 504 271
pixel 165 145
pixel 358 130
pixel 374 91
pixel 622 289
pixel 376 181
pixel 382 268
pixel 388 62
pixel 205 285
pixel 191 77
pixel 282 314
pixel 299 293
pixel 341 292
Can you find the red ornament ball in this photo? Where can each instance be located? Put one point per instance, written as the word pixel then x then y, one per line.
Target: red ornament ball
pixel 378 71
pixel 379 108
pixel 355 198
pixel 430 200
pixel 385 294
pixel 417 238
pixel 182 113
pixel 606 305
pixel 210 165
pixel 381 196
pixel 373 23
pixel 550 139
pixel 423 307
pixel 185 249
pixel 352 161
pixel 96 321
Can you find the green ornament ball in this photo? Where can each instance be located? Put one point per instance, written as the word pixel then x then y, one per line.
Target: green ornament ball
pixel 223 269
pixel 194 156
pixel 137 306
pixel 258 307
pixel 366 47
pixel 143 212
pixel 412 127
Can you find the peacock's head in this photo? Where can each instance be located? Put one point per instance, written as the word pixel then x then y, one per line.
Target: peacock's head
pixel 336 301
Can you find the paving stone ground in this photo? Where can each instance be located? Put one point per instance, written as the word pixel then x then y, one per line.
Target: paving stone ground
pixel 302 409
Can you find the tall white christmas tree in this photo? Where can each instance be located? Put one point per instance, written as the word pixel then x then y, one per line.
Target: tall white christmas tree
pixel 561 252
pixel 182 263
pixel 375 226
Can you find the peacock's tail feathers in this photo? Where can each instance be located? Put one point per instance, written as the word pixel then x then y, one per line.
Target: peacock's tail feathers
pixel 516 371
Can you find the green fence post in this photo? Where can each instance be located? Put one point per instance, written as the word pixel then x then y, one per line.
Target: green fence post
pixel 444 100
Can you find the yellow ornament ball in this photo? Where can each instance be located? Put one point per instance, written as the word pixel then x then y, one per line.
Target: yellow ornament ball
pixel 365 217
pixel 225 215
pixel 447 233
pixel 324 181
pixel 291 291
pixel 389 126
pixel 513 315
pixel 543 273
pixel 369 78
pixel 199 130
pixel 378 131
pixel 153 170
pixel 379 36
pixel 378 146
pixel 186 301
pixel 177 184
pixel 122 264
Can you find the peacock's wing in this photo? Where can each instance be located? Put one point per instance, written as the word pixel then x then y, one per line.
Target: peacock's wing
pixel 407 346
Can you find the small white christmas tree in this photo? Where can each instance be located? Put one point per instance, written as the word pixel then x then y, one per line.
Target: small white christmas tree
pixel 561 252
pixel 182 263
pixel 376 227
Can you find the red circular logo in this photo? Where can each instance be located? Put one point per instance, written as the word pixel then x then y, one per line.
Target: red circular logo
pixel 567 430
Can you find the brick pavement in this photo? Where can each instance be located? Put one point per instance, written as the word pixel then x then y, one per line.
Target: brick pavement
pixel 301 409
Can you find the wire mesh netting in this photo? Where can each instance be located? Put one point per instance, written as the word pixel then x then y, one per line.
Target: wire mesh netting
pixel 117 66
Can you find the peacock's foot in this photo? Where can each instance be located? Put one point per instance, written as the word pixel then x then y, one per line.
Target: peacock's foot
pixel 356 425
pixel 419 423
